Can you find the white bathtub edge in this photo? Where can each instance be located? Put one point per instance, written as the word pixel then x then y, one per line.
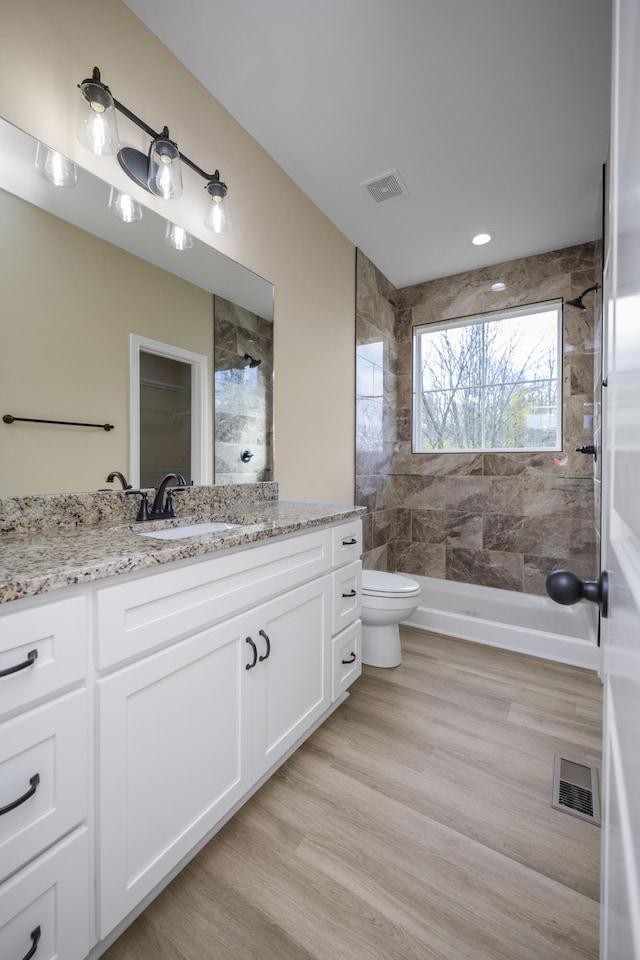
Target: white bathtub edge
pixel 549 646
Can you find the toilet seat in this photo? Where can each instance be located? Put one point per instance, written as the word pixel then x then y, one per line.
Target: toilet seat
pixel 377 583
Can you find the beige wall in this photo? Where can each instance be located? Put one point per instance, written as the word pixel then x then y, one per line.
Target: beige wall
pixel 65 346
pixel 46 49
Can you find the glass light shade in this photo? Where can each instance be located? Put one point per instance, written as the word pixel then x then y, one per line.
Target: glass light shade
pixel 55 168
pixel 96 125
pixel 124 207
pixel 178 237
pixel 165 174
pixel 218 216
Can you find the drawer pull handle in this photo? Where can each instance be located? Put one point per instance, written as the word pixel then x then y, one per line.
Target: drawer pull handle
pixel 349 543
pixel 249 666
pixel 352 593
pixel 35 936
pixel 268 653
pixel 35 780
pixel 32 656
pixel 352 658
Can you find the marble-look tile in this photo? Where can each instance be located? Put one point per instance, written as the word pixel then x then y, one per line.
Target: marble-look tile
pixel 485 494
pixel 367 532
pixel 373 492
pixel 404 326
pixel 565 260
pixel 429 526
pixel 436 464
pixel 537 569
pixel 546 496
pixel 532 535
pixel 405 358
pixel 578 330
pixel 402 528
pixel 226 310
pixel 464 530
pixel 426 493
pixel 383 526
pixel 578 374
pixel 504 464
pixel 375 559
pixel 421 559
pixel 487 568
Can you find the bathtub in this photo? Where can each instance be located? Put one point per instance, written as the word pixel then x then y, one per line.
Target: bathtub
pixel 515 621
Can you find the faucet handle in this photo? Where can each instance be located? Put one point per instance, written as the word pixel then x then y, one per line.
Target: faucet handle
pixel 143 512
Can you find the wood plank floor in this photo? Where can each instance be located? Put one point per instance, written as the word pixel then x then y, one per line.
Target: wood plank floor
pixel 415 824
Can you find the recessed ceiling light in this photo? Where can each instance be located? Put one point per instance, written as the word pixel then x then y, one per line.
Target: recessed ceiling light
pixel 498 286
pixel 481 238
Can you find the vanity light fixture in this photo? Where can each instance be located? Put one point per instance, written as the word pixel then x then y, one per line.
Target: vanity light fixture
pixel 178 237
pixel 124 207
pixel 55 168
pixel 159 171
pixel 481 238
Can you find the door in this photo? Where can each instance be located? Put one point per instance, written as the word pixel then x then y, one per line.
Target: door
pixel 620 918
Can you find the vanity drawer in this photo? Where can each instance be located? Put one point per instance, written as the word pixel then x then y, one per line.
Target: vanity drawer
pixel 51 896
pixel 146 613
pixel 56 632
pixel 346 543
pixel 44 765
pixel 347 596
pixel 346 660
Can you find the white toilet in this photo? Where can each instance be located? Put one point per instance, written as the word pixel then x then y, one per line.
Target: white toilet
pixel 387 599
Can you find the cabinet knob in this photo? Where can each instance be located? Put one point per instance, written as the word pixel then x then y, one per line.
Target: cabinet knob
pixel 35 937
pixel 32 656
pixel 249 666
pixel 351 659
pixel 34 781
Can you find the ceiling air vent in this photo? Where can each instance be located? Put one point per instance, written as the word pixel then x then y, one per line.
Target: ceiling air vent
pixel 385 188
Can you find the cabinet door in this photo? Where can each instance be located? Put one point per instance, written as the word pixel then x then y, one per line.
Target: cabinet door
pixel 171 760
pixel 46 905
pixel 296 669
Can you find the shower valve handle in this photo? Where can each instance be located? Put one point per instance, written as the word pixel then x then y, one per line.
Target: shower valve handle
pixel 567 588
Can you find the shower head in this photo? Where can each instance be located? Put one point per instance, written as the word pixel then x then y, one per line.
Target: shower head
pixel 577 301
pixel 252 361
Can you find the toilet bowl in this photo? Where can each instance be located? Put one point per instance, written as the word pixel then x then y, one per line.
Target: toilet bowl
pixel 387 599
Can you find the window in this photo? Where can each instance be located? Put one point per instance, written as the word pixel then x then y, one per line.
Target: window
pixel 489 382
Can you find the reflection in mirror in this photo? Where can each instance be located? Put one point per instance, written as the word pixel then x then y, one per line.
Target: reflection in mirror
pixel 243 357
pixel 76 282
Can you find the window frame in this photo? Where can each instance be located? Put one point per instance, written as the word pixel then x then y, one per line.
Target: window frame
pixel 528 309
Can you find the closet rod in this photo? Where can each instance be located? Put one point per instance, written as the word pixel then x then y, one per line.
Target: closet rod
pixel 67 423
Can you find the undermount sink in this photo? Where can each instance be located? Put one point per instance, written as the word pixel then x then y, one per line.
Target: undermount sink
pixel 191 530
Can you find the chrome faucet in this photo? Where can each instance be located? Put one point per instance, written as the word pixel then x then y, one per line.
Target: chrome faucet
pixel 121 477
pixel 160 511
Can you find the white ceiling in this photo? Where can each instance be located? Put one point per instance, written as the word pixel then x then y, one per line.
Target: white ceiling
pixel 494 112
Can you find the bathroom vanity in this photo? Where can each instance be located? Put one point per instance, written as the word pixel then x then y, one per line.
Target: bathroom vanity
pixel 139 710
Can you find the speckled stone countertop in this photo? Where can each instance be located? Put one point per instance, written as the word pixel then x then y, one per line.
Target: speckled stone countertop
pixel 45 557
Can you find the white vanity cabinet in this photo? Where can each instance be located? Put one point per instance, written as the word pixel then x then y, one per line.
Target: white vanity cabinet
pixel 167 697
pixel 44 780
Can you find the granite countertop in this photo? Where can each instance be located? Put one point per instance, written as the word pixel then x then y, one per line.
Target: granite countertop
pixel 42 560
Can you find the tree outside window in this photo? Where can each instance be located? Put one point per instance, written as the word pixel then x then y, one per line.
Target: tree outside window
pixel 489 382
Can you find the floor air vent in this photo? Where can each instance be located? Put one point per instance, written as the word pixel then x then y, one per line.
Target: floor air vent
pixel 575 789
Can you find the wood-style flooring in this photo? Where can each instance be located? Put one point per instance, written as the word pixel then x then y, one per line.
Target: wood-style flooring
pixel 415 824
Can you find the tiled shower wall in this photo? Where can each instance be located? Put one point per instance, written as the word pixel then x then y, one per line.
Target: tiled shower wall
pixel 243 395
pixel 498 519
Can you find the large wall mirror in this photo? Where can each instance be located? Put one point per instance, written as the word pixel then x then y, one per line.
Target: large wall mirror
pixel 76 284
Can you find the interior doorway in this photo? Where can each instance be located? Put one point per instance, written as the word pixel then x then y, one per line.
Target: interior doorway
pixel 168 413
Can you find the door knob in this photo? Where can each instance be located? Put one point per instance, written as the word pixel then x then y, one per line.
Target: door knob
pixel 566 588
